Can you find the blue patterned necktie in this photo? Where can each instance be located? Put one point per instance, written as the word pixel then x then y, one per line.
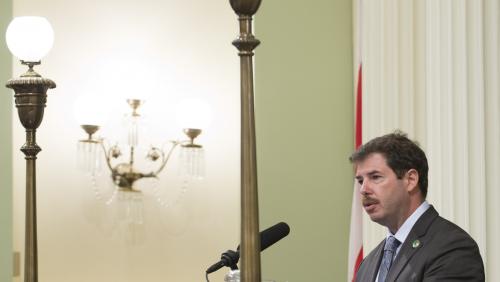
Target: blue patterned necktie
pixel 391 244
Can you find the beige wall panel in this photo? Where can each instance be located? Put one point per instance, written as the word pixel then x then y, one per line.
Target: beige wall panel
pixel 161 51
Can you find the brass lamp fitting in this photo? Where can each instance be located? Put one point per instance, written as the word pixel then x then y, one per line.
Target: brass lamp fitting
pixel 30 99
pixel 90 130
pixel 135 104
pixel 191 133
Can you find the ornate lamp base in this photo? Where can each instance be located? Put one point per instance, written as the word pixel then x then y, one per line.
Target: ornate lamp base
pixel 30 98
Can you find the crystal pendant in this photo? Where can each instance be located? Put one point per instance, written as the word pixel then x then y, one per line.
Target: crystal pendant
pixel 88 156
pixel 132 123
pixel 129 206
pixel 192 162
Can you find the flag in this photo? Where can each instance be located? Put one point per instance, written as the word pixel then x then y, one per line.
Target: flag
pixel 356 230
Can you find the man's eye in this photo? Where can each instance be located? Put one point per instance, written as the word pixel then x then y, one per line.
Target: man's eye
pixel 376 177
pixel 360 181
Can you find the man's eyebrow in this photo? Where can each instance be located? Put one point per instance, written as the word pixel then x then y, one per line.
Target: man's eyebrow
pixel 373 172
pixel 370 173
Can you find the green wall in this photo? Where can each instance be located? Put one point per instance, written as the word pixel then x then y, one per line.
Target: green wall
pixel 304 116
pixel 304 111
pixel 6 100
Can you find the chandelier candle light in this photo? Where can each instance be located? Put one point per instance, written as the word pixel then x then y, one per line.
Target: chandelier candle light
pixel 30 39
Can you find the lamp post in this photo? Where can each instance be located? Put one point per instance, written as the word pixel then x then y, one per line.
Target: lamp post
pixel 250 240
pixel 30 39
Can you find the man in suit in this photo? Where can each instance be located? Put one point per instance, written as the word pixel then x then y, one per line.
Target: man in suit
pixel 420 246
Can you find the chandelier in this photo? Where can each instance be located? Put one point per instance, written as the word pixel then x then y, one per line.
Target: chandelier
pixel 126 166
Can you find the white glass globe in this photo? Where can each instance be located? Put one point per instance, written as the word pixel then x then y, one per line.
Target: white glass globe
pixel 91 110
pixel 29 38
pixel 193 113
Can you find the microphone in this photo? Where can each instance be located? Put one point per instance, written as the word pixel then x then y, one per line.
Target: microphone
pixel 267 238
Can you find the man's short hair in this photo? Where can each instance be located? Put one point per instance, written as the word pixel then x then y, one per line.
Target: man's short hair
pixel 401 154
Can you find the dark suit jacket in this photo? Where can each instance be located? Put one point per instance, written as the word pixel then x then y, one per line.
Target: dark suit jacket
pixel 443 252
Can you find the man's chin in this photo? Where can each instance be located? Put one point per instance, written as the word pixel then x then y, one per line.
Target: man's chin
pixel 375 217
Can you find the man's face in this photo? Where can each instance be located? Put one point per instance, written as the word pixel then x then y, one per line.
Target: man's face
pixel 385 198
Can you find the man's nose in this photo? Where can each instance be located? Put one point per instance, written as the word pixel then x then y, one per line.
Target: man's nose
pixel 364 188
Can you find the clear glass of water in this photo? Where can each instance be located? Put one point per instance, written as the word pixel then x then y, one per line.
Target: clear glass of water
pixel 234 276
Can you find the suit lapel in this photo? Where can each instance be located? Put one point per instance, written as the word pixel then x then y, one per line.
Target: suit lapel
pixel 402 259
pixel 373 264
pixel 407 249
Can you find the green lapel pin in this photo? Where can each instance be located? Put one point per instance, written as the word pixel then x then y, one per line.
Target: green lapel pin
pixel 415 244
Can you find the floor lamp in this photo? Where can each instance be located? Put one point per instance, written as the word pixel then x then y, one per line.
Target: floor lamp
pixel 29 39
pixel 250 240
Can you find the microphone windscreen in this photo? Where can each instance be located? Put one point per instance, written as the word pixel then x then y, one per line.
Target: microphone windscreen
pixel 273 234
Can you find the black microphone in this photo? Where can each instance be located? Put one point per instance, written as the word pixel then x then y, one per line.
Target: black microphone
pixel 267 237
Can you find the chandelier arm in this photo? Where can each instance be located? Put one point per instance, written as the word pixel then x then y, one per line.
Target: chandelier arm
pixel 165 159
pixel 106 154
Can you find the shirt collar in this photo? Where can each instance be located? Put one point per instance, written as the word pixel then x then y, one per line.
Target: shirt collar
pixel 405 229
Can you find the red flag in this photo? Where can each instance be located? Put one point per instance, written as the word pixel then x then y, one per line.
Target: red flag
pixel 356 230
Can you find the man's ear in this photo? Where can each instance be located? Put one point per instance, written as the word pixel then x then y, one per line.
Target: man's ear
pixel 412 178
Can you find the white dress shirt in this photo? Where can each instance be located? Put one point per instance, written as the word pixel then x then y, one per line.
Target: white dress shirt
pixel 405 229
